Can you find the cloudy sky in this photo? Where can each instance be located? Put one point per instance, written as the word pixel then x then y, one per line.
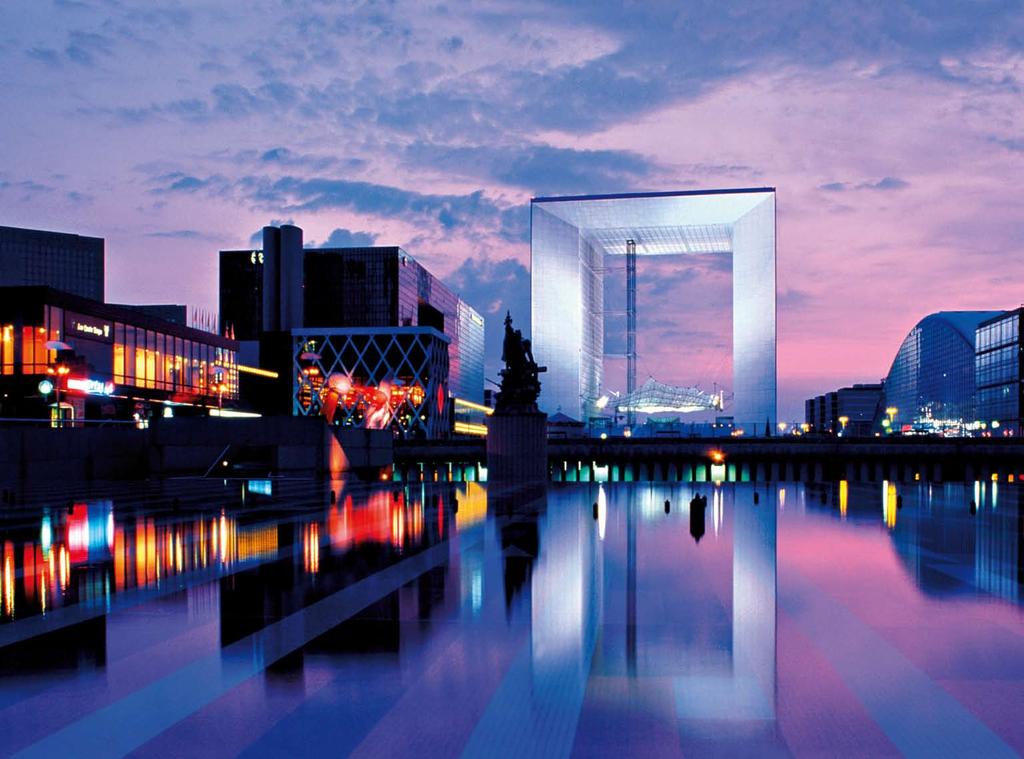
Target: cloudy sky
pixel 893 132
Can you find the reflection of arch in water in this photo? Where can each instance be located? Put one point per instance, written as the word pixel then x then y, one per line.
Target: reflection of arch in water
pixel 568 603
pixel 754 603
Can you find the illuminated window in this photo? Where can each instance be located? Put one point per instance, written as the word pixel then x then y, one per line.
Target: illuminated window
pixel 34 356
pixel 7 349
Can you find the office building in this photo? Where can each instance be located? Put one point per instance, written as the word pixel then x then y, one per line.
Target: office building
pixel 846 412
pixel 930 387
pixel 66 262
pixel 372 316
pixel 575 240
pixel 998 357
pixel 119 362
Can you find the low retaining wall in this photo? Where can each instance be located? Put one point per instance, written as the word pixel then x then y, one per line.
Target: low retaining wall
pixel 182 446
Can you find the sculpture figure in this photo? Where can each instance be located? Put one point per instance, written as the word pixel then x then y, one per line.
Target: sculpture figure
pixel 520 385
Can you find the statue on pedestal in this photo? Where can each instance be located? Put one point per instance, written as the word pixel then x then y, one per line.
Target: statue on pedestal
pixel 520 385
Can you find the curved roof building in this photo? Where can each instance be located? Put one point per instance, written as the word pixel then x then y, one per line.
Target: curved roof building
pixel 931 380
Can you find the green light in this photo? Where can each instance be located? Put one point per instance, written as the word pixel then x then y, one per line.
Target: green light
pixel 45 387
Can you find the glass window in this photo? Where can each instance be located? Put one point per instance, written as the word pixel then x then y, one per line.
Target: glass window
pixel 7 349
pixel 186 364
pixel 118 352
pixel 129 354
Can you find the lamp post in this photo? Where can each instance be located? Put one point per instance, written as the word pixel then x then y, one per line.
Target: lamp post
pixel 60 370
pixel 782 428
pixel 842 423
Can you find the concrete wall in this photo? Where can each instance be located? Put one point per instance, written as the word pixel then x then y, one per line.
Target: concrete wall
pixel 189 446
pixel 41 453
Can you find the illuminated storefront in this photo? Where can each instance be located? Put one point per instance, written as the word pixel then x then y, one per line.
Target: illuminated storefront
pixel 118 362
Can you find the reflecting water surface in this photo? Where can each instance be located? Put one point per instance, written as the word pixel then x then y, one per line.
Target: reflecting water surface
pixel 287 617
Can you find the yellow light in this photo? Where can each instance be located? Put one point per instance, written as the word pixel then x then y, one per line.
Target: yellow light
pixel 717 456
pixel 627 432
pixel 257 371
pixel 844 497
pixel 782 426
pixel 474 406
pixel 604 435
pixel 889 510
pixel 467 428
pixel 472 506
pixel 232 414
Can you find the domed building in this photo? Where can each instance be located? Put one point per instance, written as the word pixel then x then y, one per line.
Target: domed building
pixel 930 386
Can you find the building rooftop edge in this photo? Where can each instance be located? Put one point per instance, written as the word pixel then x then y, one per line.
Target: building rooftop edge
pixel 663 194
pixel 4 228
pixel 115 312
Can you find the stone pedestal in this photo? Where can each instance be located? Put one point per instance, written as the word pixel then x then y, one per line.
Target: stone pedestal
pixel 517 450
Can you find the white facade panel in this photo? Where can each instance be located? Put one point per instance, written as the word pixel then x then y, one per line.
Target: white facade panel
pixel 571 236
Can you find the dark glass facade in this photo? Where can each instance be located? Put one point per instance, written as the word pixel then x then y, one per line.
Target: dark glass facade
pixel 352 287
pixel 998 373
pixel 66 262
pixel 930 384
pixel 241 293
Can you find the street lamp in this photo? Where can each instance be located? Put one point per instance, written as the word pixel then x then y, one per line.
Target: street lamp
pixel 842 421
pixel 782 428
pixel 58 371
pixel 891 412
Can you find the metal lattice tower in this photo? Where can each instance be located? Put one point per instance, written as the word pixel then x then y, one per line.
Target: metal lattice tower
pixel 630 323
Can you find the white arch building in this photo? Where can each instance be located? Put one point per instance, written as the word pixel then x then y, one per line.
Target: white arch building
pixel 571 237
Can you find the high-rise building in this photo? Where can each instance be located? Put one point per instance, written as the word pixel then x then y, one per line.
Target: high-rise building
pixel 999 352
pixel 66 262
pixel 241 293
pixel 930 386
pixel 357 297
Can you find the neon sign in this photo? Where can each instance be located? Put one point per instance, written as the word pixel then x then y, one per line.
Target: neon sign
pixel 90 386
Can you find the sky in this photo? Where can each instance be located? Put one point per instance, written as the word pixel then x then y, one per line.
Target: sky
pixel 893 132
